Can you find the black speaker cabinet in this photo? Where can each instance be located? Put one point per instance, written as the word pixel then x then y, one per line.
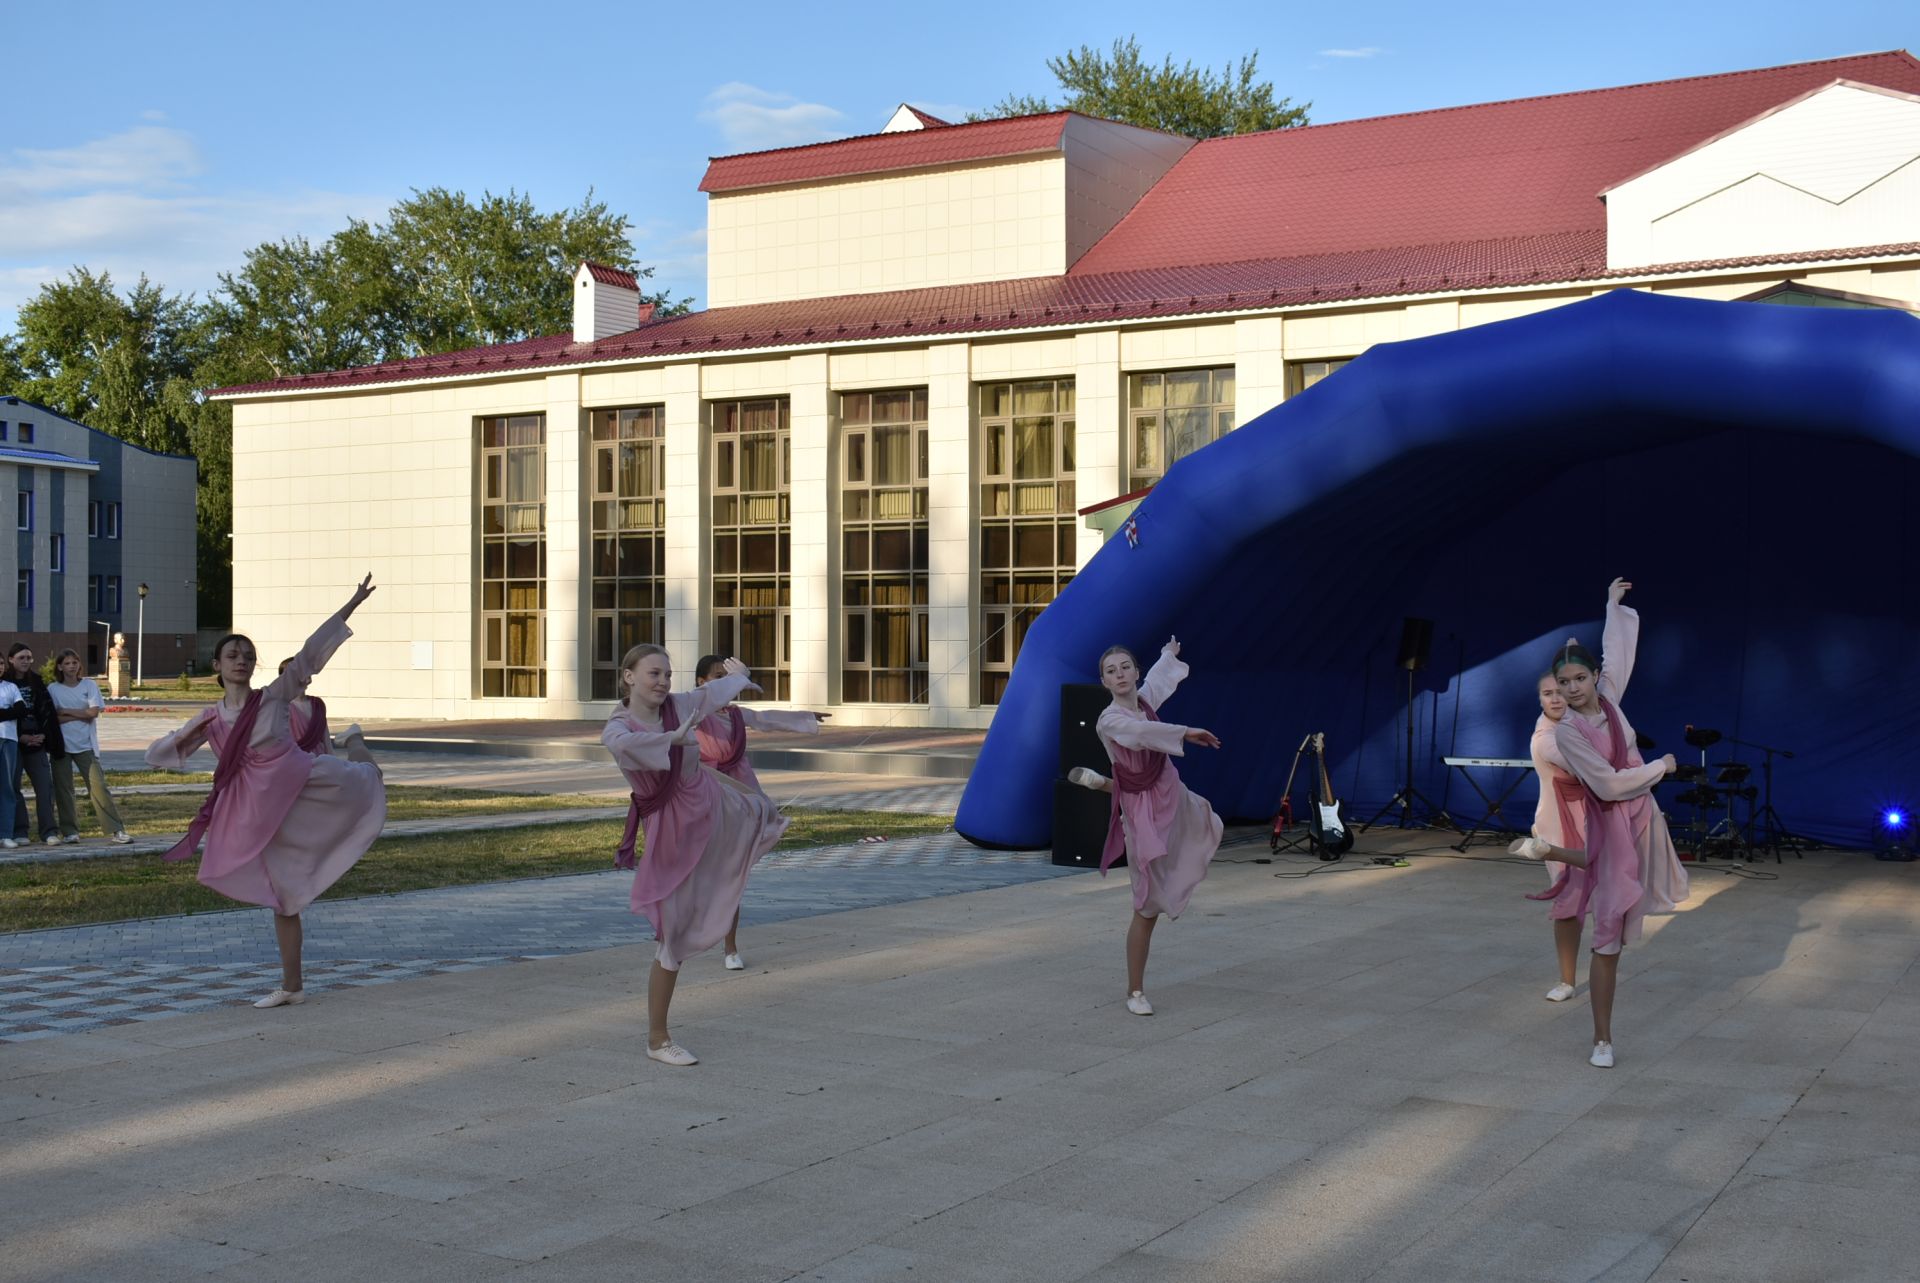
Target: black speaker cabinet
pixel 1080 708
pixel 1080 817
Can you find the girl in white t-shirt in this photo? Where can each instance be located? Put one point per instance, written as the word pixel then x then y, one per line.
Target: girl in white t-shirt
pixel 12 705
pixel 78 700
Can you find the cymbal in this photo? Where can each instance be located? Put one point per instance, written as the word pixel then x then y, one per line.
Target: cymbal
pixel 1702 736
pixel 1732 773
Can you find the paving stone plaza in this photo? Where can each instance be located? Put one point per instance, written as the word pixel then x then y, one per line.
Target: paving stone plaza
pixel 927 1073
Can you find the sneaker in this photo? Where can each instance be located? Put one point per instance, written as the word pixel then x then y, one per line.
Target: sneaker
pixel 283 998
pixel 1560 992
pixel 1532 848
pixel 736 963
pixel 1137 1003
pixel 8 843
pixel 51 839
pixel 671 1053
pixel 1085 778
pixel 1602 1057
pixel 70 839
pixel 121 838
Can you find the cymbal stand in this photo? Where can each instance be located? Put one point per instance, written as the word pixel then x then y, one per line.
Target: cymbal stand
pixel 1778 834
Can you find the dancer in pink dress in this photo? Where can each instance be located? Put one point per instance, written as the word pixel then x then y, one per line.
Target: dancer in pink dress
pixel 281 825
pixel 1628 867
pixel 1168 834
pixel 704 830
pixel 723 746
pixel 307 715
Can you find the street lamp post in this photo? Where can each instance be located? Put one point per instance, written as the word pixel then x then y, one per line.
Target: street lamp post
pixel 140 642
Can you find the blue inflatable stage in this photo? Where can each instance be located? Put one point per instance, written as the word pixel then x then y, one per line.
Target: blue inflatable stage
pixel 1750 467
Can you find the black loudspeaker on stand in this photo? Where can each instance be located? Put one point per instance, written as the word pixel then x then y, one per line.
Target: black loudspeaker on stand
pixel 1416 810
pixel 1080 815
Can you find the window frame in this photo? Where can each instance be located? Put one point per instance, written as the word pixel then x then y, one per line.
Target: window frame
pixel 23 511
pixel 1299 378
pixel 1144 389
pixel 738 513
pixel 23 589
pixel 859 498
pixel 512 606
pixel 627 606
pixel 1002 616
pixel 57 553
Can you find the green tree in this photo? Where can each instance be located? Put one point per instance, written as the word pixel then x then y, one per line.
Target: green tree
pixel 84 350
pixel 1188 100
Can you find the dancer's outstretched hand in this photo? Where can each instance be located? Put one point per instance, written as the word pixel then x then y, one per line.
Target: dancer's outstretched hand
pixel 364 591
pixel 1616 590
pixel 1172 647
pixel 1668 761
pixel 732 667
pixel 1206 739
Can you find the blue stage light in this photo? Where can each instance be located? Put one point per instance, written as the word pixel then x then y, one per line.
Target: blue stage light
pixel 1894 818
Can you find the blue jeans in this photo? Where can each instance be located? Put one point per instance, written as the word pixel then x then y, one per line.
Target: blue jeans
pixel 10 766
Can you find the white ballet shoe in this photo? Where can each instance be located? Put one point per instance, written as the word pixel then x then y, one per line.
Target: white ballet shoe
pixel 1602 1057
pixel 1085 778
pixel 283 998
pixel 735 962
pixel 1532 848
pixel 1137 1003
pixel 672 1053
pixel 1560 992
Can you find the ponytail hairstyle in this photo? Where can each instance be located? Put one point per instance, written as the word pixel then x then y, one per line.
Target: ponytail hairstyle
pixel 222 645
pixel 1572 652
pixel 704 670
pixel 632 659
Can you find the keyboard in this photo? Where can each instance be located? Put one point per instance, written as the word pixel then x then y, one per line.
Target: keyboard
pixel 1514 763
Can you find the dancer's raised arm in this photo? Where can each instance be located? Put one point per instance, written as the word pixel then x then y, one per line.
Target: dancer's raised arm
pixel 1165 676
pixel 319 648
pixel 1619 642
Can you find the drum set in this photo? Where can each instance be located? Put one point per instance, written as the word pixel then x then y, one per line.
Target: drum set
pixel 1732 817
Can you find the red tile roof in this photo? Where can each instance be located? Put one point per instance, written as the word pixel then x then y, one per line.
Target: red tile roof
pixel 612 275
pixel 879 153
pixel 926 118
pixel 1039 301
pixel 1435 202
pixel 1529 167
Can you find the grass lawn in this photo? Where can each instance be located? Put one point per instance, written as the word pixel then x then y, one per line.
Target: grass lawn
pixel 143 886
pixel 151 813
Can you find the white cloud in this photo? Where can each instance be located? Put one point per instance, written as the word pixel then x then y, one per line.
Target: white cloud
pixel 142 200
pixel 754 119
pixel 1364 51
pixel 678 256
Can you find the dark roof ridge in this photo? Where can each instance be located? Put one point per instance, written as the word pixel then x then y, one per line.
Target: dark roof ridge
pixel 1565 93
pixel 881 133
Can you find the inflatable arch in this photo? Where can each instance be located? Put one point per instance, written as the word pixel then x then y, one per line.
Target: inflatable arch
pixel 1751 467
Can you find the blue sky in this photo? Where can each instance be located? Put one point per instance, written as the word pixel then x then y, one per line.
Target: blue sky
pixel 171 138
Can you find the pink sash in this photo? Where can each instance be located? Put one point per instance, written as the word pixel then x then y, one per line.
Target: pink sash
pixel 312 736
pixel 1568 793
pixel 726 763
pixel 659 786
pixel 225 771
pixel 1128 779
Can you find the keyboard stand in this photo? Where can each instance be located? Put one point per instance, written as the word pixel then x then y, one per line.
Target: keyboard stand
pixel 1492 824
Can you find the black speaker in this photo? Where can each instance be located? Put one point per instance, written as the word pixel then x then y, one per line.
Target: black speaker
pixel 1080 818
pixel 1080 707
pixel 1416 642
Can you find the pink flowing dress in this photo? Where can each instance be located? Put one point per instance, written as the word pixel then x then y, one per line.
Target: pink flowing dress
pixel 723 737
pixel 704 837
pixel 291 823
pixel 1632 869
pixel 1171 835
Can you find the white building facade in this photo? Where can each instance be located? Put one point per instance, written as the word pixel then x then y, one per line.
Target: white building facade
pixel 864 468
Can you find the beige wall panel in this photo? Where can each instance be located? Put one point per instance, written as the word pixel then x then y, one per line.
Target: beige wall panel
pixel 1109 167
pixel 982 221
pixel 1048 357
pixel 1174 346
pixel 892 368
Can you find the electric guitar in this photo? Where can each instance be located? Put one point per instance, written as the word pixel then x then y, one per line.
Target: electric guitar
pixel 1330 832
